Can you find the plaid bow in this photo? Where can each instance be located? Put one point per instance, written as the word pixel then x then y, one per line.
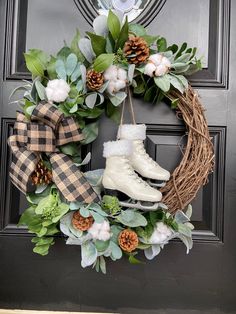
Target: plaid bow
pixel 47 130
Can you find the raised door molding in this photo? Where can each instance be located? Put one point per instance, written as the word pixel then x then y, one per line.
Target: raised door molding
pixel 214 76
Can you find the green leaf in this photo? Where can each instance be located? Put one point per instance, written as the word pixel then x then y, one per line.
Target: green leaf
pixel 183 229
pixel 133 260
pixel 51 68
pixel 86 49
pixel 61 69
pixel 97 208
pixel 41 249
pixel 110 44
pixel 103 62
pixel 98 218
pixel 181 50
pixel 102 265
pixel 90 133
pixel 189 211
pixel 84 212
pixel 88 254
pixel 124 34
pixel 40 90
pixel 138 30
pixel 181 217
pixel 161 44
pixel 76 73
pixel 98 43
pixel 176 83
pixel 70 149
pixel 113 112
pixel 163 83
pixel 116 252
pixel 174 103
pixel 29 217
pixel 184 58
pixel 36 61
pixel 101 246
pixel 90 100
pixel 131 219
pixel 118 98
pixel 174 48
pixel 113 23
pixel 71 63
pixel 150 94
pixel 150 39
pixel 75 46
pixel 63 53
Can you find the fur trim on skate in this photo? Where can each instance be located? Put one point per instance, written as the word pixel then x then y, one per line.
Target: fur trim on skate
pixel 117 148
pixel 132 131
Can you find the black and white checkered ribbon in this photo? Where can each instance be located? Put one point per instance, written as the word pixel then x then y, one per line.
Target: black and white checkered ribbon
pixel 47 130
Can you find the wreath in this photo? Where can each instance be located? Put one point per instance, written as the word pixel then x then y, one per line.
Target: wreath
pixel 61 108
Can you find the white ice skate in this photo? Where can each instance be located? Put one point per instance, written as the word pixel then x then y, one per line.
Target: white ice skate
pixel 121 180
pixel 140 160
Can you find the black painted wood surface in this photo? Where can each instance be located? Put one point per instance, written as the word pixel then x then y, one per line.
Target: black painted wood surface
pixel 203 281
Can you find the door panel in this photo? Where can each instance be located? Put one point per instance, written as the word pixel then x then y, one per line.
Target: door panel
pixel 205 279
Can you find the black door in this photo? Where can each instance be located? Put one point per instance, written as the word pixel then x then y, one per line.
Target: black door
pixel 204 280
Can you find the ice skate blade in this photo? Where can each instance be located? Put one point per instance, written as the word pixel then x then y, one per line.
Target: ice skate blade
pixel 139 205
pixel 156 183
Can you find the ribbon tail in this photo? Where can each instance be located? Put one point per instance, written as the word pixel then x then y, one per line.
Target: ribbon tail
pixel 22 166
pixel 70 181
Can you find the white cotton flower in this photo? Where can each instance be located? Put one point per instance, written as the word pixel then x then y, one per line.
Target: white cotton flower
pixel 117 78
pixel 156 59
pixel 157 64
pixel 57 90
pixel 165 61
pixel 119 84
pixel 160 234
pixel 100 231
pixel 149 69
pixel 161 70
pixel 111 73
pixel 121 74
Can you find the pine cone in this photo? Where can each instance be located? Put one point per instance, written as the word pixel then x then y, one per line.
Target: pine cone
pixel 41 175
pixel 80 222
pixel 95 80
pixel 136 50
pixel 128 240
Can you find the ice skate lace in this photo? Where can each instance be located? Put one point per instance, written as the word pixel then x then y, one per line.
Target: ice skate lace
pixel 132 173
pixel 141 149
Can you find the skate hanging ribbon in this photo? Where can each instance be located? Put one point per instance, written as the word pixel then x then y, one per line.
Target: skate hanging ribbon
pixel 47 130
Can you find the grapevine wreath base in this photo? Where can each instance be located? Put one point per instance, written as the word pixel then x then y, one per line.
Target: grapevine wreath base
pixel 61 109
pixel 198 156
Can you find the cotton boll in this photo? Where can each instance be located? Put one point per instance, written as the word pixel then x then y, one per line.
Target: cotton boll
pixel 100 231
pixel 122 74
pixel 57 90
pixel 111 87
pixel 149 69
pixel 165 61
pixel 161 70
pixel 156 59
pixel 160 234
pixel 119 84
pixel 111 73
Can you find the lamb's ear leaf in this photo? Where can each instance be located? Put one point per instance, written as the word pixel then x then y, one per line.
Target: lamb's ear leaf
pixel 137 29
pixel 85 47
pixel 100 25
pixel 113 23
